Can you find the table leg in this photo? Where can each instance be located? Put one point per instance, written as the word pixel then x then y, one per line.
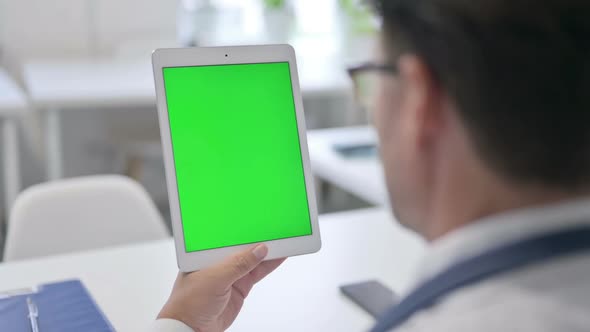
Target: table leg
pixel 53 141
pixel 12 181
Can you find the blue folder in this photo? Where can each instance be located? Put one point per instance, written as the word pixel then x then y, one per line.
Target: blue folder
pixel 63 307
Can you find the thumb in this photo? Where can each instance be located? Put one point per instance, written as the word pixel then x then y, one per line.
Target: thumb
pixel 237 266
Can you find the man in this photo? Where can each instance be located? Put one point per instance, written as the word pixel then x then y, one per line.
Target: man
pixel 483 114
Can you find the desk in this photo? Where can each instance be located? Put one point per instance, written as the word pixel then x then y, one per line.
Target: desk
pixel 86 84
pixel 12 104
pixel 132 283
pixel 362 177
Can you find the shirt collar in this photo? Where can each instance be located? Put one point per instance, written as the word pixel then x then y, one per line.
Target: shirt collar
pixel 497 230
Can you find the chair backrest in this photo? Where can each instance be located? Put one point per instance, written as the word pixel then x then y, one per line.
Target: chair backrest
pixel 81 214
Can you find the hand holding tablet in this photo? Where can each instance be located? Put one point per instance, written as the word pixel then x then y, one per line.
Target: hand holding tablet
pixel 235 151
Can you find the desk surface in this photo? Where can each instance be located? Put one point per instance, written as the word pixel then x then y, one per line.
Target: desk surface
pixel 12 98
pixel 131 283
pixel 362 177
pixel 86 83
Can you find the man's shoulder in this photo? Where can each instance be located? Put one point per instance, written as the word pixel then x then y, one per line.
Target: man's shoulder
pixel 549 297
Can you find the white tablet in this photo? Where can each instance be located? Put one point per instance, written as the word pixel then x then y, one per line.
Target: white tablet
pixel 235 151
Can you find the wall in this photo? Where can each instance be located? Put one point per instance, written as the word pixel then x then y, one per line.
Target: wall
pixel 59 28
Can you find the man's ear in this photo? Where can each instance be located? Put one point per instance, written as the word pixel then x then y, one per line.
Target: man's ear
pixel 422 106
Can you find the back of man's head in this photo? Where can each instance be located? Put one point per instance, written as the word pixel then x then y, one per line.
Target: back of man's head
pixel 519 73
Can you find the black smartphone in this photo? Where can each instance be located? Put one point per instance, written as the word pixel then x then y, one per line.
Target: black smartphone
pixel 372 296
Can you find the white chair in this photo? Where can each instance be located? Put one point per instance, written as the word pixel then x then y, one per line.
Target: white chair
pixel 81 214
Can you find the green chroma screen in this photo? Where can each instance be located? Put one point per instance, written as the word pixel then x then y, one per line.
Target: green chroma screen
pixel 236 150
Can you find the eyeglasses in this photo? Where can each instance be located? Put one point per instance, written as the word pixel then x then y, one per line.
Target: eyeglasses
pixel 365 78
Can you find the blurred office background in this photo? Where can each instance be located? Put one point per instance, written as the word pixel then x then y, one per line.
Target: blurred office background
pixel 77 99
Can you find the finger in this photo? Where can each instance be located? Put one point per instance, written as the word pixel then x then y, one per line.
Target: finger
pixel 245 284
pixel 240 264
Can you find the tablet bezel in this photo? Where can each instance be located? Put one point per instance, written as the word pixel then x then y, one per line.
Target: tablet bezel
pixel 204 56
